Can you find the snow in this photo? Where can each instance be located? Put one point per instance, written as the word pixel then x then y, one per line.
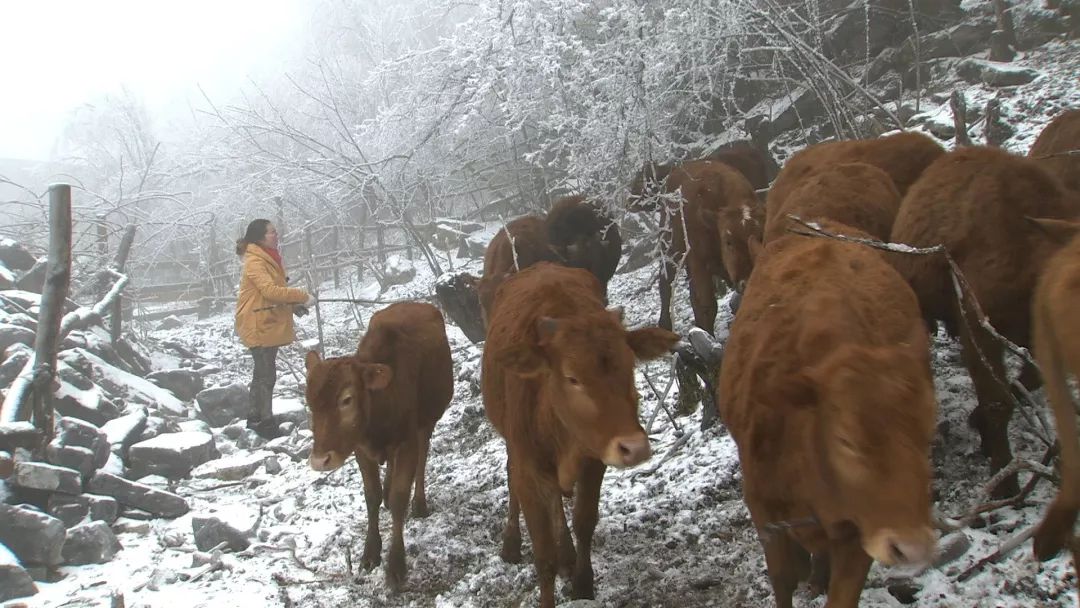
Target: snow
pixel 137 388
pixel 177 442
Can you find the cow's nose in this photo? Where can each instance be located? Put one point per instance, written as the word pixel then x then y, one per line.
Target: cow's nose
pixel 914 549
pixel 633 450
pixel 319 462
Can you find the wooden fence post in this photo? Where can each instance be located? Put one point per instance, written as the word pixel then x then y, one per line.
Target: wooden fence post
pixel 959 109
pixel 363 243
pixel 102 238
pixel 116 310
pixel 380 242
pixel 313 285
pixel 334 242
pixel 57 283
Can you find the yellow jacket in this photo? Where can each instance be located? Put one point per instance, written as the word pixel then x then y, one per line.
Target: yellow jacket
pixel 262 284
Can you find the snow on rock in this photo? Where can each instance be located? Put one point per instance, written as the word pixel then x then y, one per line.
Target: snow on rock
pixel 14 359
pixel 220 405
pixel 15 256
pixel 119 382
pixel 290 410
pixel 138 496
pixel 34 537
pixel 123 432
pixel 73 509
pixel 397 271
pixel 7 278
pixel 992 73
pixel 47 477
pixel 15 582
pixel 184 383
pixel 172 455
pixel 77 433
pixel 90 404
pixel 7 464
pixel 72 457
pixel 14 334
pixel 210 532
pixel 90 543
pixel 231 468
pixel 171 322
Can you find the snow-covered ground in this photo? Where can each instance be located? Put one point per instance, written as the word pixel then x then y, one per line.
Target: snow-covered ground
pixel 674 532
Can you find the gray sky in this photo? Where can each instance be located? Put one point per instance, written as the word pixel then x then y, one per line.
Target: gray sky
pixel 58 54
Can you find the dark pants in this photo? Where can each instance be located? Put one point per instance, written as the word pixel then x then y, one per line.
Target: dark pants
pixel 262 384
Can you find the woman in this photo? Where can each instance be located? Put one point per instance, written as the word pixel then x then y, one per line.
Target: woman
pixel 264 320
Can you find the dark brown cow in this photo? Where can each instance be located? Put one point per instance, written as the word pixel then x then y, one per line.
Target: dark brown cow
pixel 584 237
pixel 1050 149
pixel 381 404
pixel 503 258
pixel 1056 336
pixel 720 214
pixel 854 194
pixel 827 390
pixel 974 201
pixel 903 156
pixel 756 165
pixel 558 385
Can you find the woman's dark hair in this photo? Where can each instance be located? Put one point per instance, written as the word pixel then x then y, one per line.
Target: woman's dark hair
pixel 256 232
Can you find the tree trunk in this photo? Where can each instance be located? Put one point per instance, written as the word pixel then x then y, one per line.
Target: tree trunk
pixel 116 310
pixel 959 110
pixel 459 301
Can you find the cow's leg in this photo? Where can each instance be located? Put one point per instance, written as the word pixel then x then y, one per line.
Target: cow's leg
pixel 404 470
pixel 419 499
pixel 369 470
pixel 536 505
pixel 702 291
pixel 511 536
pixel 386 482
pixel 991 416
pixel 786 562
pixel 566 542
pixel 667 276
pixel 586 514
pixel 819 573
pixel 848 564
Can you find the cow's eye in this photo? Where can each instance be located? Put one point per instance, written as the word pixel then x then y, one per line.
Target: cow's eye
pixel 345 401
pixel 573 381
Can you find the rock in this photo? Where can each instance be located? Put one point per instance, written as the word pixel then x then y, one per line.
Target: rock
pixel 14 334
pixel 115 465
pixel 952 547
pixel 171 322
pixel 581 604
pixel 211 531
pixel 77 433
pixel 123 432
pixel 79 459
pixel 978 71
pixel 223 404
pixel 194 426
pixel 41 476
pixel 290 410
pixel 20 434
pixel 273 465
pixel 7 278
pixel 156 425
pixel 172 455
pixel 33 280
pixel 15 256
pixel 90 543
pixel 397 271
pixel 7 464
pixel 458 298
pixel 233 468
pixel 34 537
pixel 131 526
pixel 184 383
pixel 92 406
pixel 137 495
pixel 14 360
pixel 73 509
pixel 472 246
pixel 15 582
pixel 121 383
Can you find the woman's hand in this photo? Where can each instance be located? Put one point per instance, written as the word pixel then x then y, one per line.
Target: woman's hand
pixel 310 301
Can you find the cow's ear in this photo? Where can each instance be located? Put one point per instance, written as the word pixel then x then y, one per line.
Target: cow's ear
pixel 1060 231
pixel 312 359
pixel 523 360
pixel 651 342
pixel 376 375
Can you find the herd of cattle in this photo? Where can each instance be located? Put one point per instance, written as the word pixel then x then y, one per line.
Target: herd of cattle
pixel 826 385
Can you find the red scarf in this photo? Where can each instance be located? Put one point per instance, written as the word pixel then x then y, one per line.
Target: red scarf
pixel 274 253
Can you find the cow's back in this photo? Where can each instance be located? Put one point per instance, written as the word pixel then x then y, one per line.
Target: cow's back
pixel 530 245
pixel 1050 149
pixel 585 236
pixel 752 162
pixel 709 187
pixel 903 156
pixel 974 202
pixel 858 195
pixel 411 338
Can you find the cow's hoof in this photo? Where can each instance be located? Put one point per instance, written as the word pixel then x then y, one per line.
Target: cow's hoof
pixel 420 510
pixel 395 572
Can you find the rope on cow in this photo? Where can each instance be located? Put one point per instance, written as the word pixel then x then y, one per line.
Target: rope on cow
pixel 963 291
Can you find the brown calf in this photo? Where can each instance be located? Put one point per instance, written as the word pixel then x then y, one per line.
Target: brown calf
pixel 974 201
pixel 1057 148
pixel 826 389
pixel 854 194
pixel 903 156
pixel 755 164
pixel 1056 336
pixel 381 405
pixel 518 245
pixel 583 236
pixel 711 229
pixel 558 385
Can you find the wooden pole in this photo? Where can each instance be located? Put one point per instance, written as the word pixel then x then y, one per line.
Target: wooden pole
pixel 313 286
pixel 959 109
pixel 116 309
pixel 102 238
pixel 380 243
pixel 57 283
pixel 334 240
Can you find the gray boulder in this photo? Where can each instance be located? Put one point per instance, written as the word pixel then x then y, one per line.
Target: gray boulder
pixel 992 73
pixel 138 496
pixel 34 537
pixel 90 543
pixel 47 477
pixel 15 256
pixel 72 457
pixel 15 582
pixel 74 509
pixel 124 432
pixel 14 334
pixel 211 531
pixel 221 405
pixel 80 434
pixel 172 455
pixel 184 383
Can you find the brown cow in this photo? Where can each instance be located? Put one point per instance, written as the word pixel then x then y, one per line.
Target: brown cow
pixel 854 194
pixel 1062 135
pixel 503 257
pixel 753 161
pixel 903 156
pixel 1056 338
pixel 584 237
pixel 558 384
pixel 827 390
pixel 711 230
pixel 974 201
pixel 381 404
